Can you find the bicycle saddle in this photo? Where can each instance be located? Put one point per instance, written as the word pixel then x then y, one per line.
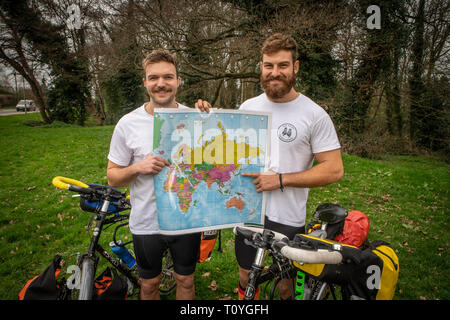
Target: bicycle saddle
pixel 330 213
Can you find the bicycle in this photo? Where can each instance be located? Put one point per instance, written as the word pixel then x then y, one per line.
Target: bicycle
pixel 264 240
pixel 104 202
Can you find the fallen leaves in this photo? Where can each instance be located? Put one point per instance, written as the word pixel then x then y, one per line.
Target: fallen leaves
pixel 213 286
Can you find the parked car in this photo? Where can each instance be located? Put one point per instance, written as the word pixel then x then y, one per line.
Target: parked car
pixel 27 105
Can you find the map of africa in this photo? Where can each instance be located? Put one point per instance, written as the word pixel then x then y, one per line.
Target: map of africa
pixel 203 189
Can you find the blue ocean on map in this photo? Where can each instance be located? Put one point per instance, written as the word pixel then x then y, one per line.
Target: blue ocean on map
pixel 203 188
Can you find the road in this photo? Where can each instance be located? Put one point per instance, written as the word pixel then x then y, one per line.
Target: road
pixel 8 112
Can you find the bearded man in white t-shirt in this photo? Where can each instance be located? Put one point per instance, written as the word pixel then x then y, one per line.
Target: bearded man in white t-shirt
pixel 132 163
pixel 301 132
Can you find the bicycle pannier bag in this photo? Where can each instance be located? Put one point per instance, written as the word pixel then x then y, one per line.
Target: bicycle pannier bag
pixel 356 229
pixel 110 286
pixel 207 244
pixel 378 275
pixel 370 274
pixel 46 286
pixel 321 271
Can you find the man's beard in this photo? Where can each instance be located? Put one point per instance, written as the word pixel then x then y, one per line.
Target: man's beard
pixel 165 102
pixel 282 89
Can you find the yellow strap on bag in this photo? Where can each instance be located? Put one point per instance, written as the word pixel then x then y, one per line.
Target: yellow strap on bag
pixel 312 269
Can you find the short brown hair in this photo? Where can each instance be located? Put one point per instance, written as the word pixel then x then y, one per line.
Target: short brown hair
pixel 159 55
pixel 277 42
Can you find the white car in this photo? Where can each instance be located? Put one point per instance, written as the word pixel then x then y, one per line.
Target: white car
pixel 26 105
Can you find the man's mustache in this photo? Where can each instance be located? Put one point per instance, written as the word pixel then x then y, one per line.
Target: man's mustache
pixel 280 78
pixel 161 89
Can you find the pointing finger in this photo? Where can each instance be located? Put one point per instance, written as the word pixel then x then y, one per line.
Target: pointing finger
pixel 251 174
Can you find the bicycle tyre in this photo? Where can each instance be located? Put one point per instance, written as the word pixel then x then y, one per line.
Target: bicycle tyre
pixel 274 292
pixel 321 291
pixel 168 282
pixel 263 290
pixel 87 279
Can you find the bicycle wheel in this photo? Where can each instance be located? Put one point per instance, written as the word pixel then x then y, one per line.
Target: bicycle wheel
pixel 87 279
pixel 321 291
pixel 264 289
pixel 274 292
pixel 168 282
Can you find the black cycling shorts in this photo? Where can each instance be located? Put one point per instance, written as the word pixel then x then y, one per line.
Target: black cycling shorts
pixel 245 254
pixel 149 250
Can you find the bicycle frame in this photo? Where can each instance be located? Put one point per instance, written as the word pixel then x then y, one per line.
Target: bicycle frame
pixel 86 290
pixel 279 268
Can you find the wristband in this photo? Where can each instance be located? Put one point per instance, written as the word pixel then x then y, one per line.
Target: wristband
pixel 281 182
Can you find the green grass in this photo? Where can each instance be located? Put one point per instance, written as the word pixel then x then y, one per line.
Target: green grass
pixel 406 199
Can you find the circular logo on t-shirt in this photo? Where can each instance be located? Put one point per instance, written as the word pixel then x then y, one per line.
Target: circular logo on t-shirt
pixel 287 132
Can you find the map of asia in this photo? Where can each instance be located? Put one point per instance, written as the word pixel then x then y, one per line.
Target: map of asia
pixel 203 189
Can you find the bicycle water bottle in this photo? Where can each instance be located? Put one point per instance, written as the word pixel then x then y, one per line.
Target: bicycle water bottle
pixel 123 254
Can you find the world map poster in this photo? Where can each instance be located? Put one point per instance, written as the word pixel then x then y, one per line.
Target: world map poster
pixel 203 188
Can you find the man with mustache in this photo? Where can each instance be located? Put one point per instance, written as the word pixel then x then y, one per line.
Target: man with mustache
pixel 132 163
pixel 301 132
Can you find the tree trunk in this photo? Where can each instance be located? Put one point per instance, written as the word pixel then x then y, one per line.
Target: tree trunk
pixel 416 85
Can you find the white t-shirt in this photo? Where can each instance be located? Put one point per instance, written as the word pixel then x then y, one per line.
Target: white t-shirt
pixel 131 142
pixel 300 128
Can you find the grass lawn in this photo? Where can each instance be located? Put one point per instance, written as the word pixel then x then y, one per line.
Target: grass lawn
pixel 406 199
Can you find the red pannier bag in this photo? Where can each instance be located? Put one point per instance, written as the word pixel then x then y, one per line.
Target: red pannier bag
pixel 356 229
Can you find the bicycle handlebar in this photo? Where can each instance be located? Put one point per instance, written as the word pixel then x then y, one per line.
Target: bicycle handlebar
pixel 279 242
pixel 95 193
pixel 71 184
pixel 249 232
pixel 64 183
pixel 319 256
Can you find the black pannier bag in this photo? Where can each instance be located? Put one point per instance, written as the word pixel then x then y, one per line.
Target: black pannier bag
pixel 109 285
pixel 46 286
pixel 370 273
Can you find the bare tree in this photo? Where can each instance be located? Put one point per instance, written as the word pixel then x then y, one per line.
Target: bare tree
pixel 17 53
